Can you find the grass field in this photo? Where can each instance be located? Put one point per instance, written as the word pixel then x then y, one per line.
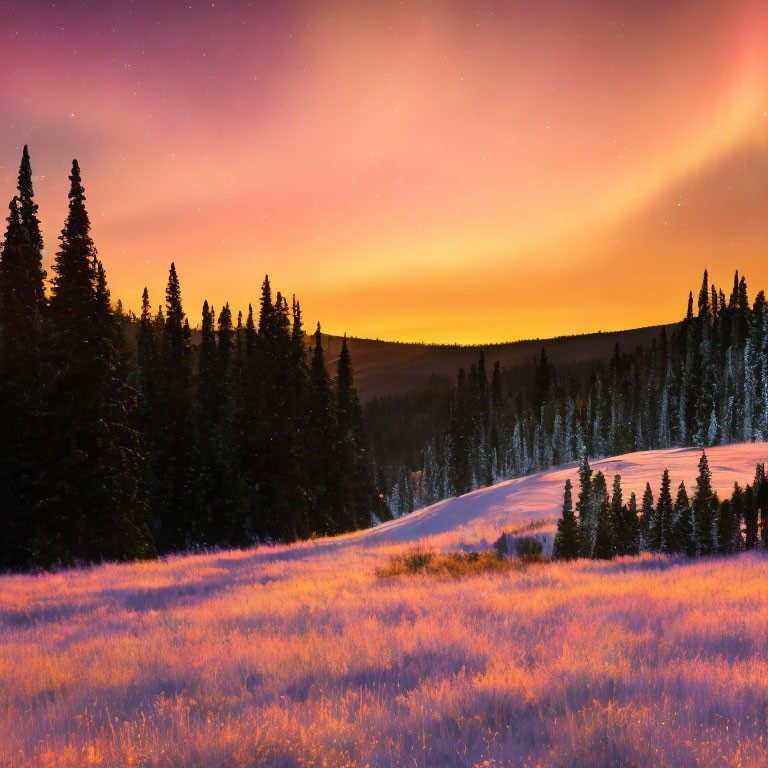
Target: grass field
pixel 236 660
pixel 304 656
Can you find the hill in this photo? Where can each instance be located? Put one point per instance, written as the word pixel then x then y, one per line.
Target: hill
pixel 390 367
pixel 302 656
pixel 476 519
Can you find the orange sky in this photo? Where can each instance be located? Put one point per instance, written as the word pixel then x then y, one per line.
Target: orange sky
pixel 441 171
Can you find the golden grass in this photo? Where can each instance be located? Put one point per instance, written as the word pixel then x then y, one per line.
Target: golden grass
pixel 454 564
pixel 304 657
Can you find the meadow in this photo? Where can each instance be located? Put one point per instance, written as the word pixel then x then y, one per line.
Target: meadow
pixel 304 656
pixel 240 660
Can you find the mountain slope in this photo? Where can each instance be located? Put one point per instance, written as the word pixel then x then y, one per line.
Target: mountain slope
pixel 479 517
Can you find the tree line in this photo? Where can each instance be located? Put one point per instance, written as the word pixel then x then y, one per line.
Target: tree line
pixel 601 526
pixel 703 383
pixel 114 450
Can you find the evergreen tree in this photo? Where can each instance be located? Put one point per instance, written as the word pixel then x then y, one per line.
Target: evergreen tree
pixel 566 543
pixel 173 438
pixel 761 501
pixel 604 547
pixel 648 511
pixel 22 315
pixel 705 505
pixel 95 505
pixel 619 519
pixel 585 509
pixel 728 522
pixel 749 513
pixel 322 429
pixel 461 437
pixel 683 535
pixel 624 519
pixel 357 492
pixel 633 525
pixel 704 307
pixel 661 529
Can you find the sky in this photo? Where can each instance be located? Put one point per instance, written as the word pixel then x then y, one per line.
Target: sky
pixel 447 171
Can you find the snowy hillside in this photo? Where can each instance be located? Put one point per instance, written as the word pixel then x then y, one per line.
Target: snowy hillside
pixel 477 518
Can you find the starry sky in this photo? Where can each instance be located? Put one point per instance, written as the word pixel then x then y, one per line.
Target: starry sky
pixel 442 170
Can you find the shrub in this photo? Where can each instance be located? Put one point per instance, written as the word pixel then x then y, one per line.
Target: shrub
pixel 417 560
pixel 454 564
pixel 527 546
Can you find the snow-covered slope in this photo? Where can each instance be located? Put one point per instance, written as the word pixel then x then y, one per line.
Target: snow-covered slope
pixel 478 518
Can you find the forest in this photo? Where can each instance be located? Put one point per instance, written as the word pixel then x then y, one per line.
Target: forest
pixel 705 383
pixel 115 450
pixel 602 526
pixel 124 440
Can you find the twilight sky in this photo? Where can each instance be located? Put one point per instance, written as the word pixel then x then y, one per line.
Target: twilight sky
pixel 443 170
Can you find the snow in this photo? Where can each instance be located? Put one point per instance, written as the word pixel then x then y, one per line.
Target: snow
pixel 479 517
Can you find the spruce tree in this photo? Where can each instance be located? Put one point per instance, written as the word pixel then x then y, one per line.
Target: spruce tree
pixel 644 523
pixel 207 413
pixel 279 489
pixel 604 547
pixel 175 481
pixel 460 432
pixel 728 521
pixel 95 506
pixel 633 525
pixel 356 490
pixel 683 535
pixel 761 500
pixel 22 316
pixel 704 307
pixel 322 456
pixel 566 543
pixel 749 514
pixel 661 530
pixel 297 407
pixel 705 505
pixel 757 514
pixel 585 509
pixel 621 536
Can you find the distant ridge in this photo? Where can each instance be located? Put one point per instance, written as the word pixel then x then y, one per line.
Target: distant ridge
pixel 395 367
pixel 392 367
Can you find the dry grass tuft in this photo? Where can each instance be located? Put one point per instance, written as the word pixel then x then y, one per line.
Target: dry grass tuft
pixel 454 564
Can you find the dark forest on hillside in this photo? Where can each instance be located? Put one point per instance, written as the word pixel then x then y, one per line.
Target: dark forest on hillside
pixel 110 452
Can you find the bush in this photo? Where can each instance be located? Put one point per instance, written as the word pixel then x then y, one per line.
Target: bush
pixel 417 560
pixel 527 546
pixel 454 564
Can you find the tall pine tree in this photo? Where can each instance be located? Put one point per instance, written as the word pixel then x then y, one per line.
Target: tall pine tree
pixel 22 318
pixel 94 506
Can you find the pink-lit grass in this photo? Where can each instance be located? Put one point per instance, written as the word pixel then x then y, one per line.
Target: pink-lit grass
pixel 302 656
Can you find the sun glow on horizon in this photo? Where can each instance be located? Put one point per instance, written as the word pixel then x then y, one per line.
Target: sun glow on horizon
pixel 424 172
